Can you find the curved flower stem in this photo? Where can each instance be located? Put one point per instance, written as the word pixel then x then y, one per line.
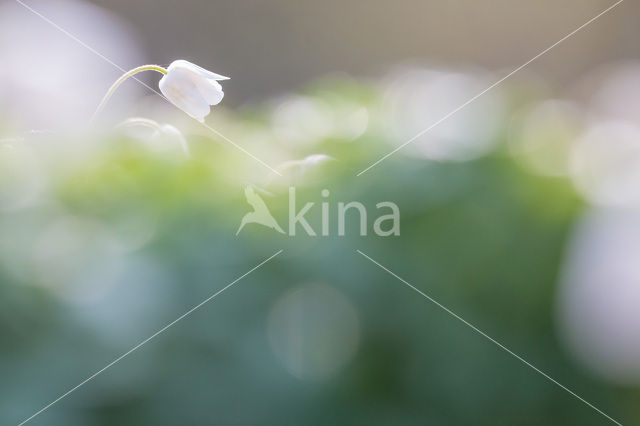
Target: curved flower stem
pixel 143 122
pixel 119 81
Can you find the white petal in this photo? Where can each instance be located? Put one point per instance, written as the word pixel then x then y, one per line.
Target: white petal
pixel 183 65
pixel 176 134
pixel 181 90
pixel 211 90
pixel 316 159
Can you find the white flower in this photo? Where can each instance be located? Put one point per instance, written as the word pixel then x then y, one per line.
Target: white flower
pixel 173 133
pixel 192 88
pixel 164 133
pixel 310 170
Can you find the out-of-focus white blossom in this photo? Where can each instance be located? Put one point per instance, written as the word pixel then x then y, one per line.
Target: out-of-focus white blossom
pixel 618 94
pixel 542 137
pixel 299 121
pixel 599 294
pixel 172 133
pixel 164 136
pixel 309 170
pixel 48 79
pixel 419 98
pixel 314 331
pixel 605 164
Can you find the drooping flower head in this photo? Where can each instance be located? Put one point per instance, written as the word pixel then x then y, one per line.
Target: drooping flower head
pixel 192 88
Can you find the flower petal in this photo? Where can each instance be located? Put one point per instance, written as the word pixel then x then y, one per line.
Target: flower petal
pixel 187 66
pixel 174 133
pixel 211 90
pixel 182 91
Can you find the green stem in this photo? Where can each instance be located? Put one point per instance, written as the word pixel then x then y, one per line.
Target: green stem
pixel 119 81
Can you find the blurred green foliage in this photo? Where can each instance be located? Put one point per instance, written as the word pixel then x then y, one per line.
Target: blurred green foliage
pixel 123 239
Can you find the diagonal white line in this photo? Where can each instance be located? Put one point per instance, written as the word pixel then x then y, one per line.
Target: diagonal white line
pixel 240 148
pixel 482 333
pixel 80 42
pixel 464 105
pixel 91 49
pixel 149 338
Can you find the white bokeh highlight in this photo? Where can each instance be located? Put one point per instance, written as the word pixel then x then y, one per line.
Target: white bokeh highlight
pixel 314 331
pixel 598 303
